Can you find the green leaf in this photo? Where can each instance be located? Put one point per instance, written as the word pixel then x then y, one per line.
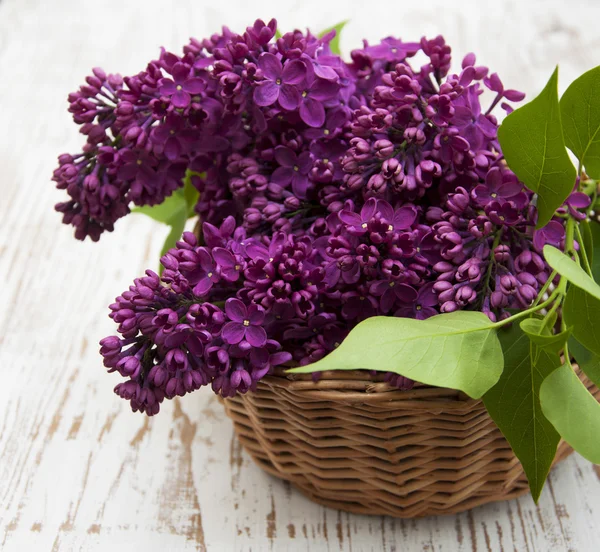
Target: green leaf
pixel 165 211
pixel 574 413
pixel 541 335
pixel 534 148
pixel 588 240
pixel 190 192
pixel 177 227
pixel 570 270
pixel 174 211
pixel 514 405
pixel 542 338
pixel 594 228
pixel 278 34
pixel 459 350
pixel 587 361
pixel 580 110
pixel 170 208
pixel 335 41
pixel 581 311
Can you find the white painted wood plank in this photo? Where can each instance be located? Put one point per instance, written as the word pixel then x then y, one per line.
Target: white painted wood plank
pixel 78 471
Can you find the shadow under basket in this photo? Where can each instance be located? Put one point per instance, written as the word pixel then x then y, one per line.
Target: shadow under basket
pixel 353 443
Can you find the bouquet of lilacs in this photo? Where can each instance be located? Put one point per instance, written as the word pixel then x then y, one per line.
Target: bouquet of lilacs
pixel 365 214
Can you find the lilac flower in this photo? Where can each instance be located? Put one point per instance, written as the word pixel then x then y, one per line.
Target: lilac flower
pixel 219 237
pixel 262 33
pixel 358 305
pixel 494 83
pixel 327 66
pixel 281 83
pixel 172 137
pixel 553 233
pixel 576 201
pixel 423 306
pixel 315 92
pixel 393 50
pixel 449 143
pixel 181 88
pixel 399 219
pixel 202 273
pixel 293 169
pixel 505 213
pixel 259 252
pixel 390 291
pixel 358 223
pixel 498 185
pixel 474 126
pixel 137 164
pixel 439 55
pixel 245 322
pixel 271 355
pixel 231 266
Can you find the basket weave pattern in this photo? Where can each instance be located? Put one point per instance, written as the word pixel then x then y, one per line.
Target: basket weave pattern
pixel 358 445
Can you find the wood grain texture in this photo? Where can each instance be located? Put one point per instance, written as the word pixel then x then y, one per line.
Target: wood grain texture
pixel 78 471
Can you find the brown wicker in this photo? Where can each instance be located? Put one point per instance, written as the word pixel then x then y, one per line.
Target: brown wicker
pixel 358 445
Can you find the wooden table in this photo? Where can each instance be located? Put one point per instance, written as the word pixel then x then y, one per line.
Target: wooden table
pixel 78 470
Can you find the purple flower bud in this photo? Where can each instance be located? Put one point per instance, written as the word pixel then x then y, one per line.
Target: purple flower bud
pixel 526 294
pixel 392 169
pixel 354 181
pixel 459 201
pixel 447 295
pixel 508 284
pixel 383 149
pixel 526 278
pixel 376 184
pixel 523 260
pixel 498 300
pixel 449 306
pixel 441 286
pixel 129 366
pixel 443 266
pixel 502 253
pixel 465 295
pixel 529 261
pixel 469 271
pixel 252 217
pixel 292 203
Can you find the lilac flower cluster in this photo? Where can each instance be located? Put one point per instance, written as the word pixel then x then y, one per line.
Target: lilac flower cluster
pixel 173 341
pixel 330 191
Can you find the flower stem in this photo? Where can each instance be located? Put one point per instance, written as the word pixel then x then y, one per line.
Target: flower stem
pixel 569 248
pixel 524 314
pixel 545 287
pixel 586 263
pixel 548 316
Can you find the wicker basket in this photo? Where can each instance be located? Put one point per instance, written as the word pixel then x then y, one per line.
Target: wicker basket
pixel 355 444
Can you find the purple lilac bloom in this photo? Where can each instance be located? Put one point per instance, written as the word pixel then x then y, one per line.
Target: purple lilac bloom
pixel 553 233
pixel 280 83
pixel 422 306
pixel 330 191
pixel 293 170
pixel 316 91
pixel 181 87
pixel 244 323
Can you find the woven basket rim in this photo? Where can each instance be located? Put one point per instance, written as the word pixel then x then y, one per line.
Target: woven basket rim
pixel 359 387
